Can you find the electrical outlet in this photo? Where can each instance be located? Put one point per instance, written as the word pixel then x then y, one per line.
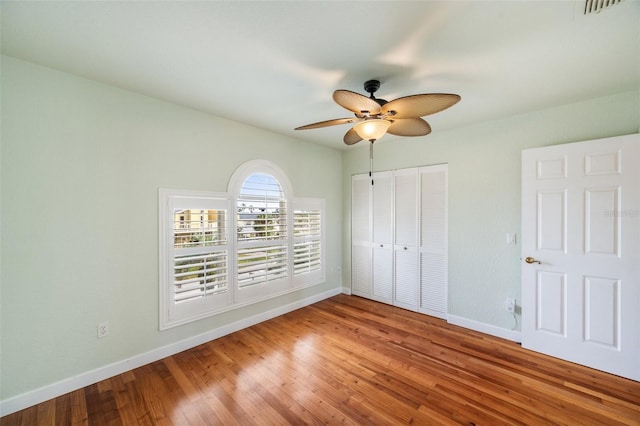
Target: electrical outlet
pixel 510 304
pixel 103 329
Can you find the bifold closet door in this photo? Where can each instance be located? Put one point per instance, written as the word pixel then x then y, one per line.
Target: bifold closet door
pixel 372 236
pixel 433 241
pixel 406 275
pixel 382 236
pixel 399 238
pixel 361 236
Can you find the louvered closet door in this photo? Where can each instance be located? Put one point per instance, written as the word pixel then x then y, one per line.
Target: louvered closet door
pixel 433 241
pixel 406 290
pixel 382 210
pixel 361 284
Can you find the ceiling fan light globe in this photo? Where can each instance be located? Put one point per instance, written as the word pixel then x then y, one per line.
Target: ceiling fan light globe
pixel 372 129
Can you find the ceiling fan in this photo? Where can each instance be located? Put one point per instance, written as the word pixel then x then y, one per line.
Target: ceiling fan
pixel 375 117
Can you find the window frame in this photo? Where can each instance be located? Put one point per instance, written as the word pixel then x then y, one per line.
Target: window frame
pixel 234 297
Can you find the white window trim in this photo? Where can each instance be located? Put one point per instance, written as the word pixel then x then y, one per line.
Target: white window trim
pixel 232 299
pixel 259 166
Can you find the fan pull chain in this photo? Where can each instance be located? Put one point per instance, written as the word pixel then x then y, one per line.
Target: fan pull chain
pixel 371 161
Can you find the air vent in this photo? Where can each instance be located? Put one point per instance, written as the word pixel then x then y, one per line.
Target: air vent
pixel 595 6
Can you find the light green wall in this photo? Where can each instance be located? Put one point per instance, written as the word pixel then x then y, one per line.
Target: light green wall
pixel 484 191
pixel 81 166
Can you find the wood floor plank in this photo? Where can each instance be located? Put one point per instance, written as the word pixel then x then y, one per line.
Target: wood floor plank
pixel 298 384
pixel 27 417
pixel 276 390
pixel 47 413
pixel 79 415
pixel 63 410
pixel 123 399
pixel 212 402
pixel 350 361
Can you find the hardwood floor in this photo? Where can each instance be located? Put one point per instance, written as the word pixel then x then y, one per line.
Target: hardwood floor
pixel 353 361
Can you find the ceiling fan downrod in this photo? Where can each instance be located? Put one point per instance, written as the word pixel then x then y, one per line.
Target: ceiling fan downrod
pixel 371 161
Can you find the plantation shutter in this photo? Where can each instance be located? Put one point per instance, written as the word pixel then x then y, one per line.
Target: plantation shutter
pixel 308 241
pixel 306 245
pixel 194 255
pixel 200 253
pixel 262 253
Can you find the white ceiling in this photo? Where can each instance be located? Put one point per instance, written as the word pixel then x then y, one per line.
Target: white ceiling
pixel 275 64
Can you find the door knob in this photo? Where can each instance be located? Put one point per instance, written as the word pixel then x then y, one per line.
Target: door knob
pixel 531 260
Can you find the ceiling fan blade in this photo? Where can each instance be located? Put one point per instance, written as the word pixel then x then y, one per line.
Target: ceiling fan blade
pixel 355 102
pixel 351 137
pixel 327 123
pixel 409 127
pixel 419 105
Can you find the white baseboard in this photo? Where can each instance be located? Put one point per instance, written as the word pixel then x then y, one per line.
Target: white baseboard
pixel 45 393
pixel 485 328
pixel 346 290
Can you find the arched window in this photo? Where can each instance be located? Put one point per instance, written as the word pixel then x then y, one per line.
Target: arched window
pixel 262 192
pixel 261 231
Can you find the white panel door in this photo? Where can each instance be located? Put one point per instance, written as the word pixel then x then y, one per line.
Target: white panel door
pixel 406 290
pixel 581 253
pixel 361 236
pixel 433 248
